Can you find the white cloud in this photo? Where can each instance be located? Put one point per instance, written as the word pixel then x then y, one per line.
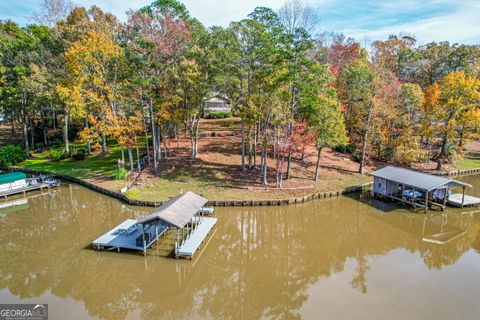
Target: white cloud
pixel 209 12
pixel 461 25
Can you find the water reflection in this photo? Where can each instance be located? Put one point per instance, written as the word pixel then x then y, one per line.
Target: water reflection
pixel 260 263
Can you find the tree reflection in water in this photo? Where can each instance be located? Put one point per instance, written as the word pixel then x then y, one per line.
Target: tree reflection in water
pixel 261 262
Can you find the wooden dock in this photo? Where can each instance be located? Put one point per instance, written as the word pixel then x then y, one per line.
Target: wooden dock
pixel 39 186
pixel 196 238
pixel 468 201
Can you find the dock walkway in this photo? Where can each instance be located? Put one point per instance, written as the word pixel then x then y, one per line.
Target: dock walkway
pixel 193 242
pixel 456 200
pixel 6 193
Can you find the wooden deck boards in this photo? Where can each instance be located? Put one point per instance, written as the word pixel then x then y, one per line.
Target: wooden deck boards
pixel 23 189
pixel 188 248
pixel 456 200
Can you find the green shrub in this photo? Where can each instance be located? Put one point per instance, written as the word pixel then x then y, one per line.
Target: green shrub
pixel 56 155
pixel 218 115
pixel 39 147
pixel 56 144
pixel 120 174
pixel 12 154
pixel 80 154
pixel 350 148
pixel 357 157
pixel 340 148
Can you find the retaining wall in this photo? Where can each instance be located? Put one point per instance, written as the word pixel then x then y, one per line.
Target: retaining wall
pixel 229 203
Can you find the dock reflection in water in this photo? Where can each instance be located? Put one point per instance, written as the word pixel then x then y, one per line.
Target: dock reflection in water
pixel 336 259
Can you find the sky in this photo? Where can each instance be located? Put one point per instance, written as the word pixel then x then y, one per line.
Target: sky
pixel 457 21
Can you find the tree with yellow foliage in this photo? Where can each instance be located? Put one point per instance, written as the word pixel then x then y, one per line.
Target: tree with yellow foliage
pixel 458 115
pixel 94 81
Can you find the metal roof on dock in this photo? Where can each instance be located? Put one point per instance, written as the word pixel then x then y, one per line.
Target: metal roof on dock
pixel 177 211
pixel 416 179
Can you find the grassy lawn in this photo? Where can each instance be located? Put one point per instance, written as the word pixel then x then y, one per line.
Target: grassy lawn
pixel 468 163
pixel 95 168
pixel 216 188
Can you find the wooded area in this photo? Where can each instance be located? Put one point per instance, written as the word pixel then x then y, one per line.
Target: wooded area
pixel 81 74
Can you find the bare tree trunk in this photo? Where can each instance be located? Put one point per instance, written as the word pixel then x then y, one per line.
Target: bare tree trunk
pixel 250 147
pixel 264 168
pixel 159 143
pixel 281 171
pixel 146 141
pixel 65 132
pixel 138 156
pixel 318 162
pixel 44 127
pixel 243 144
pixel 165 137
pixel 289 161
pixel 255 145
pixel 443 152
pixel 54 119
pixel 89 145
pixel 130 158
pixel 32 135
pixel 177 129
pixel 104 145
pixel 365 138
pixel 25 132
pixel 277 172
pixel 123 155
pixel 154 138
pixel 265 165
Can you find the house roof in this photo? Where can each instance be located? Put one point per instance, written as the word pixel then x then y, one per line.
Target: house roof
pixel 219 97
pixel 12 177
pixel 177 211
pixel 417 179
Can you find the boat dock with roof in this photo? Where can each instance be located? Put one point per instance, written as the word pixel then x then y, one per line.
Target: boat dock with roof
pixel 420 190
pixel 183 215
pixel 18 182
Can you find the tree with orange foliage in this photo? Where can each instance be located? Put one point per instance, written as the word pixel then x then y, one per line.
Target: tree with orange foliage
pixel 94 81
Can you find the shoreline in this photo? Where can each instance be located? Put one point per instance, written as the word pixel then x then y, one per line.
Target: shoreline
pixel 231 203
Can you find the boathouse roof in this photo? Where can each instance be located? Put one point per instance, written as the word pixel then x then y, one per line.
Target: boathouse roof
pixel 12 177
pixel 416 179
pixel 177 211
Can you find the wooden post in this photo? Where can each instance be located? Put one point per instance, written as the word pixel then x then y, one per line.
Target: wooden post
pixel 426 201
pixel 143 238
pixel 463 196
pixel 445 196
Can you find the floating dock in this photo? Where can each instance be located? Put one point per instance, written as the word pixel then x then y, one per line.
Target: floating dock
pixel 460 200
pixel 128 235
pixel 196 238
pixel 182 214
pixel 11 192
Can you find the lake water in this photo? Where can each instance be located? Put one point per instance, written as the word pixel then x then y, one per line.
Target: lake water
pixel 341 258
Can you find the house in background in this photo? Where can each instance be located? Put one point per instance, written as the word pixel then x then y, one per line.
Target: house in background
pixel 217 103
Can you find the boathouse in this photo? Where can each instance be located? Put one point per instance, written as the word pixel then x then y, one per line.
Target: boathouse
pixel 414 188
pixel 182 214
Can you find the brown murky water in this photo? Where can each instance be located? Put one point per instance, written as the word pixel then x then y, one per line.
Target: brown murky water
pixel 345 258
